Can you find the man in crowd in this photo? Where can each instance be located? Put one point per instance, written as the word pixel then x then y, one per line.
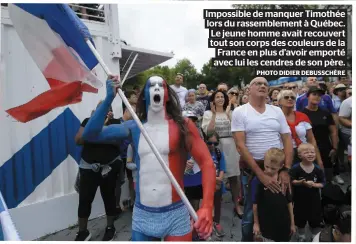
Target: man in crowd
pixel 257 127
pixel 345 119
pixel 223 87
pixel 99 167
pixel 180 90
pixel 203 95
pixel 339 95
pixel 293 87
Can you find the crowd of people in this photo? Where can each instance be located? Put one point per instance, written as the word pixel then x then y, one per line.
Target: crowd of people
pixel 273 149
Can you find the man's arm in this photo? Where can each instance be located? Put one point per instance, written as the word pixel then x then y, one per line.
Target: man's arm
pixel 345 122
pixel 345 114
pixel 78 137
pixel 201 154
pixel 240 139
pixel 288 149
pixel 311 140
pixel 94 131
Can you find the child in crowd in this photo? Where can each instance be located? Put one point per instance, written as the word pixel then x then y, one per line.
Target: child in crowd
pixel 219 162
pixel 307 180
pixel 273 213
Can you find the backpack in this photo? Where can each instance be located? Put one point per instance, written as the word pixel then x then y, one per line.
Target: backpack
pixel 332 194
pixel 332 197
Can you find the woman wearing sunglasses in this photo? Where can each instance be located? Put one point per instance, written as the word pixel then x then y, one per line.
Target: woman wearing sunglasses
pixel 299 124
pixel 234 98
pixel 324 129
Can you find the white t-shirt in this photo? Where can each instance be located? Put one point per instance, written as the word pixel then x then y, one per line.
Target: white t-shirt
pixel 301 130
pixel 346 111
pixel 181 92
pixel 262 131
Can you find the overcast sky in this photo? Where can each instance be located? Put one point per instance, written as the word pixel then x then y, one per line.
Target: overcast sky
pixel 166 27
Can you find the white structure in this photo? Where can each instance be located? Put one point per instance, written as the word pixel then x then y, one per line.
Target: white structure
pixel 38 159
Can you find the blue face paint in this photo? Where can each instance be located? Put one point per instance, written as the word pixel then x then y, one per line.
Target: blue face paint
pixel 147 94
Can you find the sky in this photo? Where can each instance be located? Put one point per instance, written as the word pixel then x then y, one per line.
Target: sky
pixel 166 27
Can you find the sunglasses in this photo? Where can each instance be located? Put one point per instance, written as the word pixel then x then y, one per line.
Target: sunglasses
pixel 287 97
pixel 234 93
pixel 212 143
pixel 291 88
pixel 349 93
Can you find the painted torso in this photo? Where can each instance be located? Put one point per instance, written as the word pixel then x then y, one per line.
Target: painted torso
pixel 153 187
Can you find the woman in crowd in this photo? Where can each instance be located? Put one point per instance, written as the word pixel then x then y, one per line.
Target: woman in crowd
pixel 273 93
pixel 244 99
pixel 234 98
pixel 247 90
pixel 324 128
pixel 299 124
pixel 193 105
pixel 218 120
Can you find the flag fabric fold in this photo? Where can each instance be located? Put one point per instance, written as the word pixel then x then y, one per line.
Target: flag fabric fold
pixel 55 38
pixel 8 230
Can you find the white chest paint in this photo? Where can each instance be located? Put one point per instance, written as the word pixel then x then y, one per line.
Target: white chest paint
pixel 155 186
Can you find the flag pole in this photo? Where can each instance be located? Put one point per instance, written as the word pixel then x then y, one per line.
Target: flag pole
pixel 6 224
pixel 145 134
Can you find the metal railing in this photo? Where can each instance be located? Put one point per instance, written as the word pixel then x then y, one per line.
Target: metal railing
pixel 94 12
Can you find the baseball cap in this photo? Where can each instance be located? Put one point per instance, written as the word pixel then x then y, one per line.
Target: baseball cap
pixel 189 114
pixel 315 89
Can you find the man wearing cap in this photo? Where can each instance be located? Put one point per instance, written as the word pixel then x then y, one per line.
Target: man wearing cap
pixel 340 95
pixel 256 128
pixel 180 90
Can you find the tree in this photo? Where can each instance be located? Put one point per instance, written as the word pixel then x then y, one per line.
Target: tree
pixel 190 73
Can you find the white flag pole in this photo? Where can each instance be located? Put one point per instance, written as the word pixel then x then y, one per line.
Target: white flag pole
pixel 145 134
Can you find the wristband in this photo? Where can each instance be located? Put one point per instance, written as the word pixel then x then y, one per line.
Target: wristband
pixel 285 169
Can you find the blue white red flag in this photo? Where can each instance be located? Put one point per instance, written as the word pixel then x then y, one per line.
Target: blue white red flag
pixel 55 38
pixel 8 231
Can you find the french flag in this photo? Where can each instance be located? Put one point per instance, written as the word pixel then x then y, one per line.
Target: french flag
pixel 8 231
pixel 55 38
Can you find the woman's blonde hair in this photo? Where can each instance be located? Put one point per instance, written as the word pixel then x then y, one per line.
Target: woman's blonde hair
pixel 283 93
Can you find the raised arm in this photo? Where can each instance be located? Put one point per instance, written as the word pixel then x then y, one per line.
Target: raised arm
pixel 94 131
pixel 201 154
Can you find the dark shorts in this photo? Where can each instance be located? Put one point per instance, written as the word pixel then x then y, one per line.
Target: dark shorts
pixel 194 192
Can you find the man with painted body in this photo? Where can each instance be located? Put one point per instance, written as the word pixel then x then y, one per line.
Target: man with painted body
pixel 159 211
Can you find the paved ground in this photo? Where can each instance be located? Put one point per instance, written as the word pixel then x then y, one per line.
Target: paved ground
pixel 231 224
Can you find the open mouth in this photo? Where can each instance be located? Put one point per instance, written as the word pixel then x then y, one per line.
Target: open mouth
pixel 157 99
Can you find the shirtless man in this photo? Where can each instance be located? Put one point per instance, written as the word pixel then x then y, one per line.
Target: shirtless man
pixel 159 211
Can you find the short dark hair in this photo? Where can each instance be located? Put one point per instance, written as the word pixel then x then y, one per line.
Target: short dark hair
pixel 135 87
pixel 129 93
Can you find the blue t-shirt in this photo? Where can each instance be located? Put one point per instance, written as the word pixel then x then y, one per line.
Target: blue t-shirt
pixel 325 103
